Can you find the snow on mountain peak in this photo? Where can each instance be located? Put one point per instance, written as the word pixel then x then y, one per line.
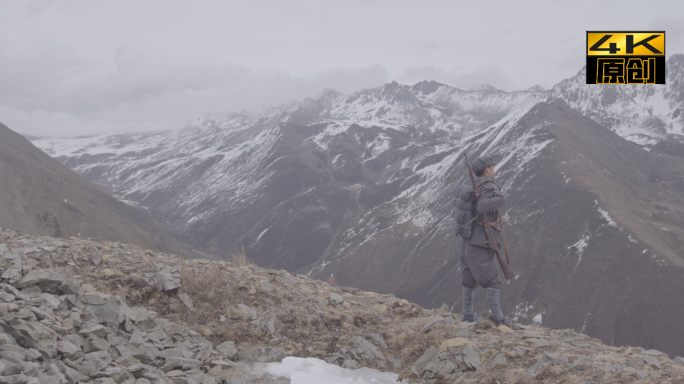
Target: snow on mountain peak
pixel 645 114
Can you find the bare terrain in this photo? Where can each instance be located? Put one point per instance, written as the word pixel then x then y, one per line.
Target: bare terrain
pixel 94 310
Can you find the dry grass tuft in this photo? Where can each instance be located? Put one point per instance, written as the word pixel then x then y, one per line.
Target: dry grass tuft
pixel 216 290
pixel 213 292
pixel 239 257
pixel 548 373
pixel 485 324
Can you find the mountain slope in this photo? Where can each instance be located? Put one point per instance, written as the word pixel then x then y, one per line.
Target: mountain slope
pixel 611 275
pixel 196 180
pixel 41 196
pixel 361 186
pixel 645 114
pixel 228 320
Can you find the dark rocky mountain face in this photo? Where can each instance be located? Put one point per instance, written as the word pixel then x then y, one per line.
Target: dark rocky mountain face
pixel 41 196
pixel 609 275
pixel 362 186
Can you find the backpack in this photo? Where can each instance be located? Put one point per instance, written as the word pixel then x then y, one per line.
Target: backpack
pixel 464 205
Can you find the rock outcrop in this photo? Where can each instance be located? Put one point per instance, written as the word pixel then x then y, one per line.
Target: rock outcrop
pixel 89 311
pixel 56 328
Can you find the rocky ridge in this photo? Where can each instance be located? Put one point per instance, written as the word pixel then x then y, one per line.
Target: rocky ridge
pixel 92 311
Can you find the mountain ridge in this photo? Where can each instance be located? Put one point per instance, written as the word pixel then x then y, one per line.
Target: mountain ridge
pixel 360 186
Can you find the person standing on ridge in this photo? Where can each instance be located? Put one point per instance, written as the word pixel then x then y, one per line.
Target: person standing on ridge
pixel 478 262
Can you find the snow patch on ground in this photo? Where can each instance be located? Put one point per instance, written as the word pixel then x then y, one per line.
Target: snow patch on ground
pixel 565 177
pixel 584 325
pixel 581 245
pixel 521 310
pixel 523 150
pixel 315 371
pixel 261 234
pixel 537 319
pixel 380 145
pixel 606 216
pixel 323 139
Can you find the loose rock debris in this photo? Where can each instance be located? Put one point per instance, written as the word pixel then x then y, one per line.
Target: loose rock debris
pixel 92 311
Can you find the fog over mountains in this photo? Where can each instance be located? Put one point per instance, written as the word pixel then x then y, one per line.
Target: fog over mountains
pixel 361 186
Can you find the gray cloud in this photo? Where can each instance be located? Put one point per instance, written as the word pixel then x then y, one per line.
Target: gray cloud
pixel 158 93
pixel 79 66
pixel 674 32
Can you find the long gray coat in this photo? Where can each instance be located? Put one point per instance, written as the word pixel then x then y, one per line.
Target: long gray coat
pixel 478 261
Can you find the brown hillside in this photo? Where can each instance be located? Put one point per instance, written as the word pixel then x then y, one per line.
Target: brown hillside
pixel 41 196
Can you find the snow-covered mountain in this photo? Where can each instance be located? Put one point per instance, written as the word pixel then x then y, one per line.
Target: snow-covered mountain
pixel 207 168
pixel 644 114
pixel 361 186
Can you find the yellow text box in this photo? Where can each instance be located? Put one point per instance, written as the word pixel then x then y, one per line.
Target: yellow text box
pixel 641 43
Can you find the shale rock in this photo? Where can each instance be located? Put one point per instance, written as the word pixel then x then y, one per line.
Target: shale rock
pixel 89 311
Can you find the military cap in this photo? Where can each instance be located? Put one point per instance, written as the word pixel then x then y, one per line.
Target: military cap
pixel 481 163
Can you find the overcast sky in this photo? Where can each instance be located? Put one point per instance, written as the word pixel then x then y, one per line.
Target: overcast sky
pixel 74 67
